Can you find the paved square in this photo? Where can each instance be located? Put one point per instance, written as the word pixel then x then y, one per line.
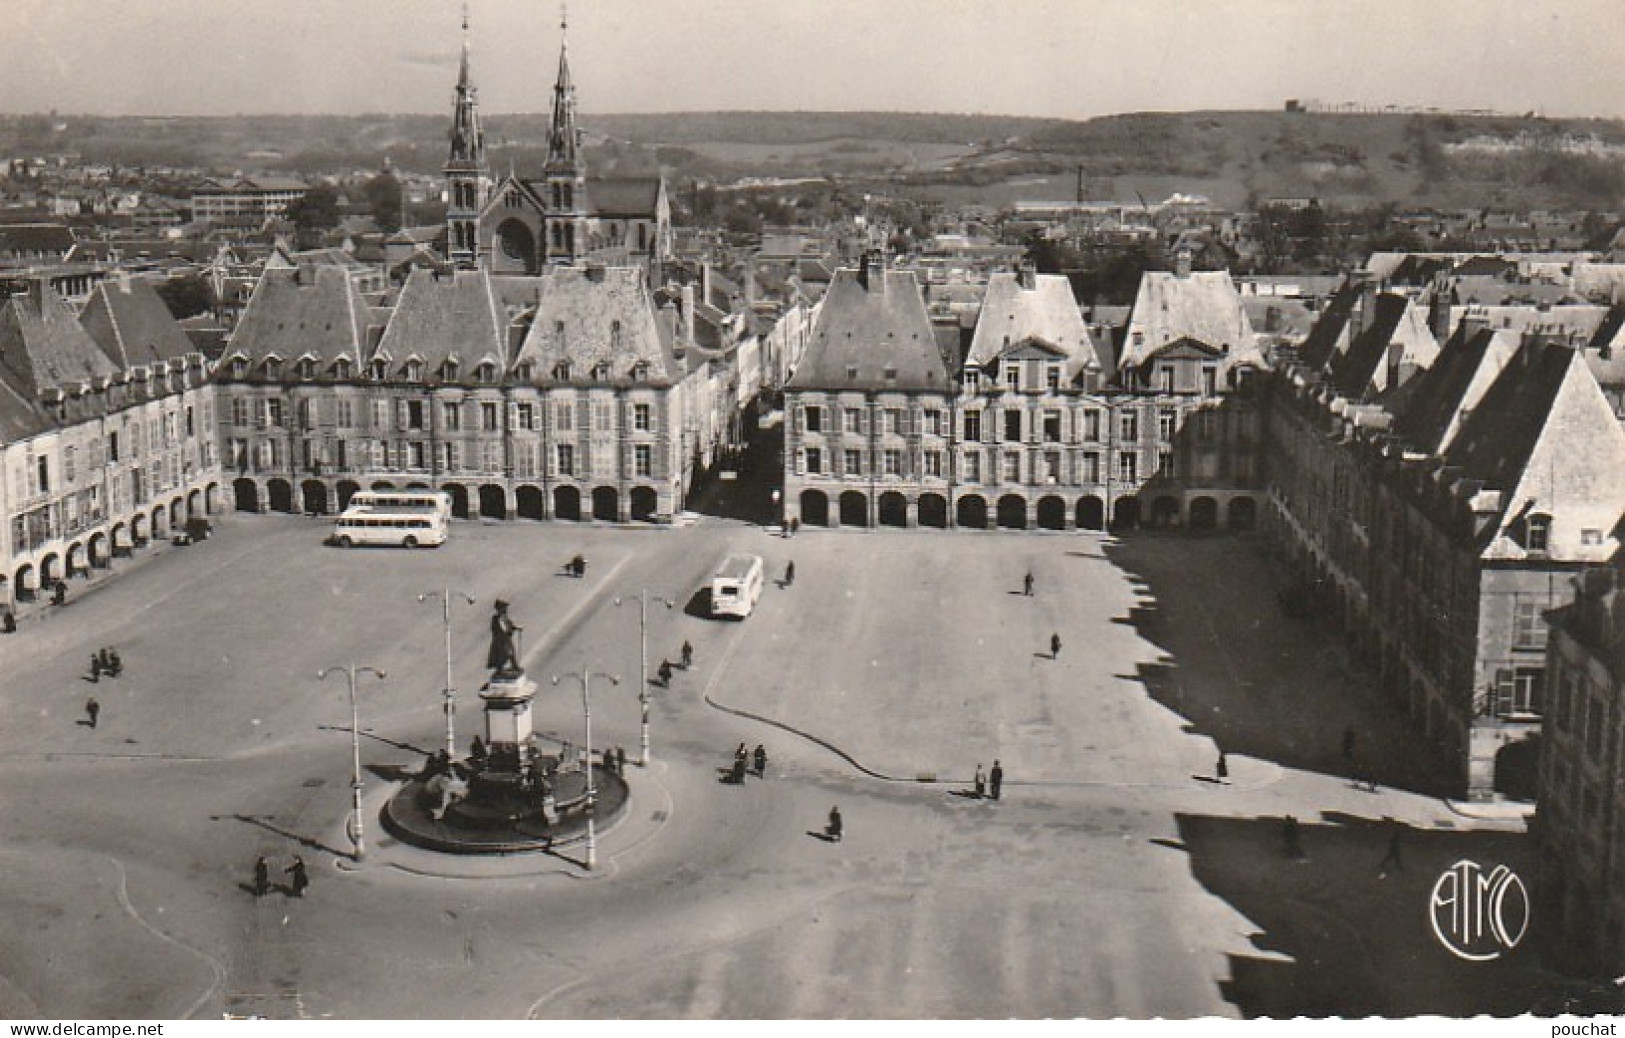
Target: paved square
pixel 1114 877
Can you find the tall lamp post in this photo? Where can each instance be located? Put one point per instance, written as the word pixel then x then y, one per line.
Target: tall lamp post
pixel 643 667
pixel 450 693
pixel 586 677
pixel 357 830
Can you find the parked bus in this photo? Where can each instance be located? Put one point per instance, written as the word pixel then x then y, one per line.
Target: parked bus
pixel 402 527
pixel 400 500
pixel 737 586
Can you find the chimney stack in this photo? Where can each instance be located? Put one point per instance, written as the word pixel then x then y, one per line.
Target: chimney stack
pixel 685 319
pixel 1027 274
pixel 1182 261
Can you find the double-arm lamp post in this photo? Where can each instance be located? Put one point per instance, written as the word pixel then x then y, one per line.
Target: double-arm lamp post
pixel 643 666
pixel 586 677
pixel 445 596
pixel 357 830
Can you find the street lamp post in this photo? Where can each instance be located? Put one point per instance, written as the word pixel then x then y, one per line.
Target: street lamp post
pixel 586 677
pixel 450 693
pixel 357 829
pixel 643 668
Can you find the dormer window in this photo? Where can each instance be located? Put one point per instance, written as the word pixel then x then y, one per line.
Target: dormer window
pixel 640 371
pixel 380 370
pixel 523 371
pixel 448 370
pixel 307 369
pixel 1538 529
pixel 273 368
pixel 341 368
pixel 852 372
pixel 973 379
pixel 239 367
pixel 412 371
pixel 600 372
pixel 1012 377
pixel 486 372
pixel 561 370
pixel 889 373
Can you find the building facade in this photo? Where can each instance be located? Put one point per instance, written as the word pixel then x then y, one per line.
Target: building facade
pixel 573 407
pixel 107 434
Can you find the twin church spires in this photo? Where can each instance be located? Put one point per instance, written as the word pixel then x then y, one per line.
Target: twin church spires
pixel 468 173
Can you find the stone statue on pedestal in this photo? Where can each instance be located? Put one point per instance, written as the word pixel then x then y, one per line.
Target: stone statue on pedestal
pixel 503 657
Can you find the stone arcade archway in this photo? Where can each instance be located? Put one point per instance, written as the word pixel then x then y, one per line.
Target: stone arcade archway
pixel 971 512
pixel 893 509
pixel 529 502
pixel 814 508
pixel 934 511
pixel 567 503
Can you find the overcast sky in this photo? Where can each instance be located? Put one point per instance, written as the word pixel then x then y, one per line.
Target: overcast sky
pixel 1068 58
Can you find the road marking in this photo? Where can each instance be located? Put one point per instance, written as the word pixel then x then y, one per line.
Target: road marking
pixel 215 967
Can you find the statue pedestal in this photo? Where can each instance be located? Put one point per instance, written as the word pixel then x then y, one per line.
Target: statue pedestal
pixel 507 712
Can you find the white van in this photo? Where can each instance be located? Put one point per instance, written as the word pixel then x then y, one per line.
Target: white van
pixel 736 586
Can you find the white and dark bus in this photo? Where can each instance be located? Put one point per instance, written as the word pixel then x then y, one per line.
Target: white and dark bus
pixel 394 527
pixel 736 586
pixel 398 500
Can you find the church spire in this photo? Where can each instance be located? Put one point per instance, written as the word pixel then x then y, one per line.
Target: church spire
pixel 468 177
pixel 562 142
pixel 467 139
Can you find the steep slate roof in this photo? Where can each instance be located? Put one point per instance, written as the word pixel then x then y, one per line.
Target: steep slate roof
pixel 1395 334
pixel 575 311
pixel 1329 336
pixel 42 345
pixel 291 313
pixel 1203 305
pixel 437 317
pixel 1605 353
pixel 1012 313
pixel 35 239
pixel 1546 439
pixel 20 417
pixel 1437 400
pixel 129 321
pixel 873 328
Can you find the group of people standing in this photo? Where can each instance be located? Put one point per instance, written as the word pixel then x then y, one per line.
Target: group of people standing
pixel 989 785
pixel 298 877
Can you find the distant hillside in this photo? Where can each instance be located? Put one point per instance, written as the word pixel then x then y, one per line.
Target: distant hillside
pixel 1233 157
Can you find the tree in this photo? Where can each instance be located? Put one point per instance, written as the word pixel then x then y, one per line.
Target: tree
pixel 316 211
pixel 383 194
pixel 187 296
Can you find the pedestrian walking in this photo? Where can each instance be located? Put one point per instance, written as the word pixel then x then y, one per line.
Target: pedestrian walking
pixel 1027 584
pixel 759 757
pixel 59 593
pixel 688 655
pixel 300 881
pixel 1222 769
pixel 1392 857
pixel 620 760
pixel 114 665
pixel 1289 837
pixel 665 673
pixel 789 573
pixel 9 622
pixel 979 783
pixel 262 877
pixel 995 780
pixel 795 525
pixel 95 668
pixel 1055 646
pixel 834 829
pixel 93 710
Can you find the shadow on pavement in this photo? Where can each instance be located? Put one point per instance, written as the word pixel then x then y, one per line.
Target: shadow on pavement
pixel 303 841
pixel 1253 681
pixel 1342 939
